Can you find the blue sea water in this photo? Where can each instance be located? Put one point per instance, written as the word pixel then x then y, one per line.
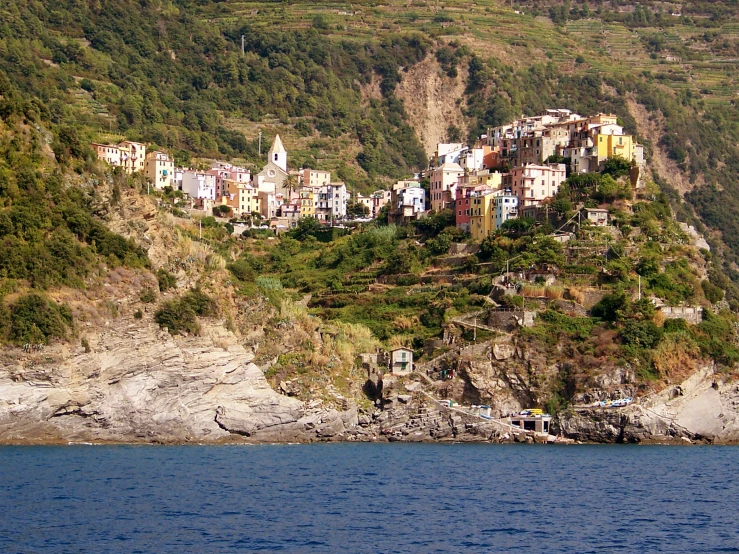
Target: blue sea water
pixel 418 498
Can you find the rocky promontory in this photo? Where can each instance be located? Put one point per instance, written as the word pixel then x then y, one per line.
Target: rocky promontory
pixel 135 383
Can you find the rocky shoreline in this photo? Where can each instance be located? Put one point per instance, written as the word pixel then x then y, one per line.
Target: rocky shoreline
pixel 139 385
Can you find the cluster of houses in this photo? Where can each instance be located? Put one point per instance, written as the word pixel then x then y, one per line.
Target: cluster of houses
pixel 506 174
pixel 274 194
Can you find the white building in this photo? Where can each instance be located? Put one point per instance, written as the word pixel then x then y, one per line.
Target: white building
pixel 534 183
pixel 330 201
pixel 505 207
pixel 274 175
pixel 472 159
pixel 314 178
pixel 406 203
pixel 200 184
pixel 448 152
pixel 109 153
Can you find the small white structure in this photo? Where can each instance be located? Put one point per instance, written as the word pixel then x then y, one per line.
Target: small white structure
pixel 199 184
pixel 506 207
pixel 596 216
pixel 401 361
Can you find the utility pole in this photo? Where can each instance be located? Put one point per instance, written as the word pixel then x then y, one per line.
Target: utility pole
pixel 639 287
pixel 242 45
pixel 200 224
pixel 260 143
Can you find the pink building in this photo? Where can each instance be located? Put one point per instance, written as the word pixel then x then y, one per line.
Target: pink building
pixel 443 184
pixel 462 204
pixel 534 183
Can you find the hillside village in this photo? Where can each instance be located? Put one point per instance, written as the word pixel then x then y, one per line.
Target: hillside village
pixel 513 171
pixel 538 266
pixel 372 267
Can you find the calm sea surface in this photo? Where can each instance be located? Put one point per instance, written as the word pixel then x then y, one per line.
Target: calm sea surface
pixel 369 498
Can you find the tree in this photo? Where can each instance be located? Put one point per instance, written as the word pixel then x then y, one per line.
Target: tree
pixel 357 209
pixel 616 166
pixel 222 211
pixel 306 227
pixel 611 307
pixel 518 226
pixel 562 203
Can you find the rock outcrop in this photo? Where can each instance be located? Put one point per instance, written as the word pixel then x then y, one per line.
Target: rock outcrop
pixel 139 384
pixel 704 407
pixel 136 383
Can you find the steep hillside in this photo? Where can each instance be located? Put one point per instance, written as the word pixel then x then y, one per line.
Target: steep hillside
pixel 173 73
pixel 93 270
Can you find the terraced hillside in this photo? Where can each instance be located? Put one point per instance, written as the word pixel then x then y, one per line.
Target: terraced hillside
pixel 325 74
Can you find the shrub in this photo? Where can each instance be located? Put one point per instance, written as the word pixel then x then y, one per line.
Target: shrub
pixel 202 304
pixel 644 334
pixel 147 295
pixel 408 280
pixel 166 280
pixel 35 319
pixel 242 270
pixel 182 315
pixel 177 317
pixel 269 283
pixel 209 221
pixel 138 314
pixel 713 293
pixel 675 325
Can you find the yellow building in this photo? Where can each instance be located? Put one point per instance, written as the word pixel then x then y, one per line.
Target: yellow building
pixel 307 203
pixel 493 180
pixel 242 197
pixel 159 168
pixel 610 145
pixel 133 156
pixel 482 216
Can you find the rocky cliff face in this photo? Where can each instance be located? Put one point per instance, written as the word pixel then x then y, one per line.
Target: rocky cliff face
pixel 139 384
pixel 704 407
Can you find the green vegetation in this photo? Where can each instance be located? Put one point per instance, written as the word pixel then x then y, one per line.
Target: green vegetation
pixel 181 315
pixel 34 319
